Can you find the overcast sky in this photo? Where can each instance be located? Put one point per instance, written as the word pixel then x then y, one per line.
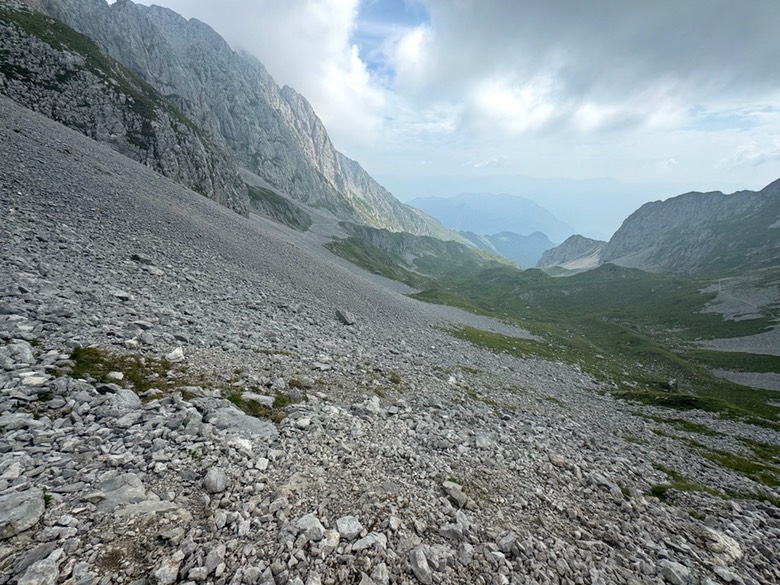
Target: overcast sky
pixel 655 97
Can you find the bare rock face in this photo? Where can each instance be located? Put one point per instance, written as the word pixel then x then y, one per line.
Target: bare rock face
pixel 63 75
pixel 576 249
pixel 700 232
pixel 273 131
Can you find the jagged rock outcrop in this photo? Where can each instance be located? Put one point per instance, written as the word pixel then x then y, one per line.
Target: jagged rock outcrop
pixel 52 69
pixel 577 252
pixel 274 131
pixel 701 232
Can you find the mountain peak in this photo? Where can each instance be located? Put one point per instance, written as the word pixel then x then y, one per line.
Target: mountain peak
pixel 273 132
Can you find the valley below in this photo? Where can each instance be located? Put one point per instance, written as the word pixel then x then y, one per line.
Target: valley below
pixel 189 395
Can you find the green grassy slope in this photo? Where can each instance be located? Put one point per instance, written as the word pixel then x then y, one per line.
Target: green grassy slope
pixel 632 329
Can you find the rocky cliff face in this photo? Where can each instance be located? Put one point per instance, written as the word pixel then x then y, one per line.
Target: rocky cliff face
pixel 577 251
pixel 701 232
pixel 273 131
pixel 50 68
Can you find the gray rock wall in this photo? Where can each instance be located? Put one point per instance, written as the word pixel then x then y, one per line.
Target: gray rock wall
pixel 274 131
pixel 67 82
pixel 573 248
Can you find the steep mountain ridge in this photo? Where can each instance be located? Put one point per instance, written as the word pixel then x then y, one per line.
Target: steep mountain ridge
pixel 273 131
pixel 701 232
pixel 48 67
pixel 694 233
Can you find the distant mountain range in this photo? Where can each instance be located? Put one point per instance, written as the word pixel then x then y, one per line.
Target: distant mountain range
pixel 171 93
pixel 523 250
pixel 489 213
pixel 695 233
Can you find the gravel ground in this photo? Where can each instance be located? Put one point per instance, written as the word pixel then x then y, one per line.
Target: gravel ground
pixel 406 456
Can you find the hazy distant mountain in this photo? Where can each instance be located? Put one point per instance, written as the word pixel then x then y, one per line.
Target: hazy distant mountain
pixel 487 213
pixel 701 232
pixel 576 253
pixel 271 131
pixel 524 250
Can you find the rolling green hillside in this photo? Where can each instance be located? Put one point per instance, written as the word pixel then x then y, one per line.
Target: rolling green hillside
pixel 634 330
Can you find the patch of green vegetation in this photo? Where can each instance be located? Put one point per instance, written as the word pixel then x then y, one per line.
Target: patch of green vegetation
pixel 468 369
pixel 44 397
pixel 500 343
pixel 278 208
pixel 766 452
pixel 736 361
pixel 620 325
pixel 296 383
pixel 555 400
pixel 376 261
pixel 483 399
pixel 684 425
pixel 256 409
pixel 380 392
pixel 35 342
pixel 419 261
pixel 394 378
pixel 141 372
pixel 47 499
pixel 634 440
pixel 680 483
pixel 767 475
pixel 754 495
pixel 763 469
pixel 696 515
pixel 282 400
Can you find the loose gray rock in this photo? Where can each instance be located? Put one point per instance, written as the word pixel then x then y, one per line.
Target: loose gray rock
pixel 119 491
pixel 420 565
pixel 43 572
pixel 345 317
pixel 176 356
pixel 349 527
pixel 216 480
pixel 310 527
pixel 676 573
pixel 373 539
pixel 20 511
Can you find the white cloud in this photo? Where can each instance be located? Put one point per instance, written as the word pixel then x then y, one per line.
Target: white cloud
pixel 668 165
pixel 493 161
pixel 498 104
pixel 606 88
pixel 752 154
pixel 307 45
